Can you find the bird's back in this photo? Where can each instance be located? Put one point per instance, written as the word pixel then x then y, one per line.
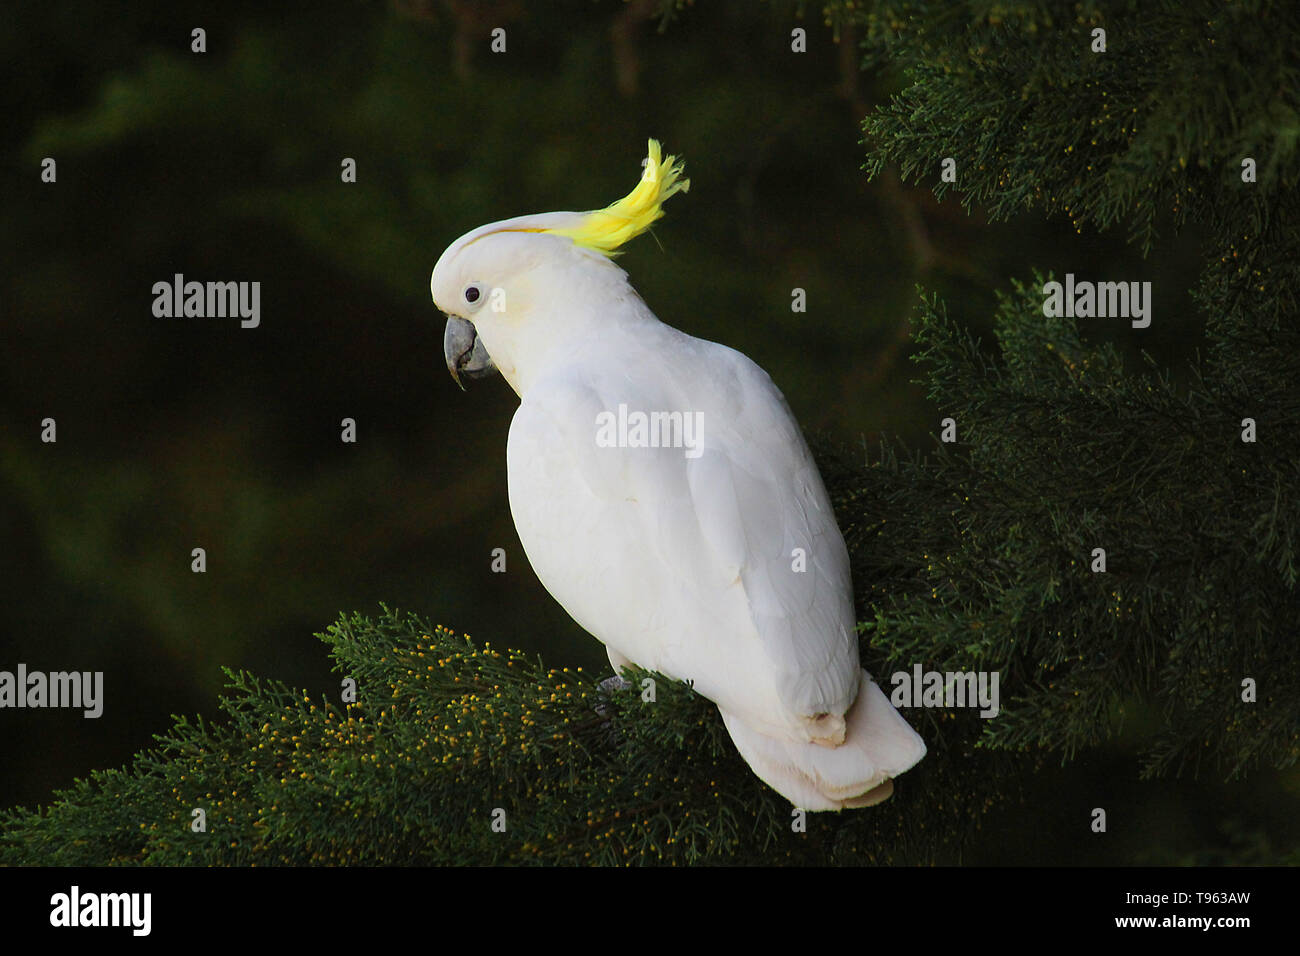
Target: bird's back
pixel 716 561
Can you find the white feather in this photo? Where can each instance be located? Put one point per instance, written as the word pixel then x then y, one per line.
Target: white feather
pixel 683 562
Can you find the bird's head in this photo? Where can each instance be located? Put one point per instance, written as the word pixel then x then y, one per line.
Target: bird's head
pixel 514 290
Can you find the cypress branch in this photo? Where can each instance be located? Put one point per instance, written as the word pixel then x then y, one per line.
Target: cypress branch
pixel 444 733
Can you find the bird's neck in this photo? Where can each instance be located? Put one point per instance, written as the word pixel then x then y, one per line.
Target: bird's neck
pixel 552 335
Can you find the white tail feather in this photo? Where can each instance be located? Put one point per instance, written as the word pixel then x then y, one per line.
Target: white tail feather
pixel 878 745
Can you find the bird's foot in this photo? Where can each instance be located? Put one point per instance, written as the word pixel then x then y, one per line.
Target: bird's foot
pixel 613 684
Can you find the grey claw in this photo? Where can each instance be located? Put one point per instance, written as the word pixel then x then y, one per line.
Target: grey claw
pixel 611 684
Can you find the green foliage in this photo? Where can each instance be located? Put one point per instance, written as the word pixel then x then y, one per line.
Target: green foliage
pixel 443 734
pixel 1064 452
pixel 1064 449
pixel 1156 126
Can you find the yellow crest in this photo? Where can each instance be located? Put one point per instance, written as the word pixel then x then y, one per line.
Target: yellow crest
pixel 604 230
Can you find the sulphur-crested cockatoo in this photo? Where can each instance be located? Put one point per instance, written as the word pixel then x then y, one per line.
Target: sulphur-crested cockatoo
pixel 666 498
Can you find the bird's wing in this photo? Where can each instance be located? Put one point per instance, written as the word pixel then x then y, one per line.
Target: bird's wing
pixel 720 563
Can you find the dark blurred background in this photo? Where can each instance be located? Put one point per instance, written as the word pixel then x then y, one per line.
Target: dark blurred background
pixel 187 432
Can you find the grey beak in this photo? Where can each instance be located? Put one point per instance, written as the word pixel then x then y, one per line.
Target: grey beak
pixel 464 351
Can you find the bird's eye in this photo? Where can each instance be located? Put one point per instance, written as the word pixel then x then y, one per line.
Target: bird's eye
pixel 472 293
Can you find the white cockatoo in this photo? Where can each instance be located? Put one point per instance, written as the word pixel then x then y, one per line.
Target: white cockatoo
pixel 665 496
